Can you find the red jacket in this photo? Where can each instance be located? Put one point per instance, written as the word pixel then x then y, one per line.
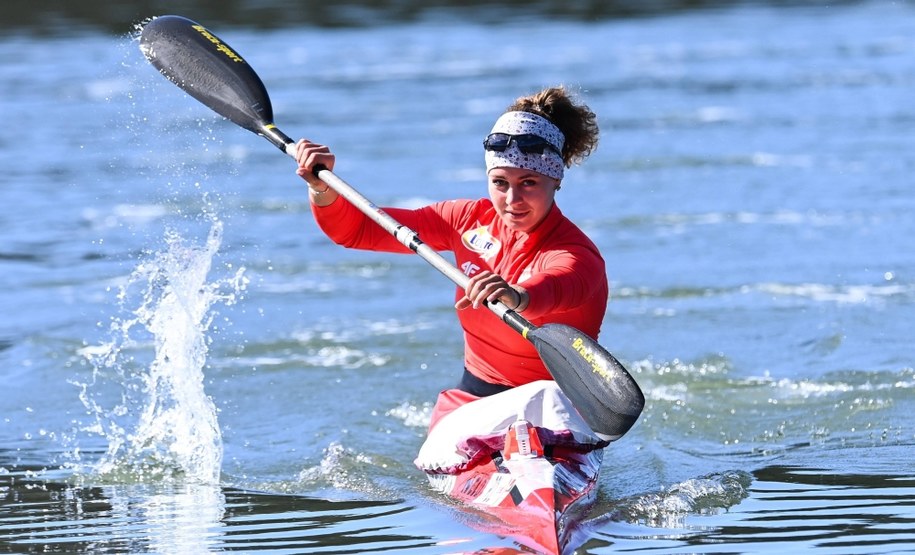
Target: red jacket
pixel 557 264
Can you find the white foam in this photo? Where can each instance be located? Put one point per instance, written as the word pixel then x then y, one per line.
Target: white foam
pixel 165 425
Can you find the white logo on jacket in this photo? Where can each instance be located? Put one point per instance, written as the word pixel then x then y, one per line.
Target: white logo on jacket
pixel 469 268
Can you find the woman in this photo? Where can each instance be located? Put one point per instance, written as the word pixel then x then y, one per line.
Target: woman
pixel 515 246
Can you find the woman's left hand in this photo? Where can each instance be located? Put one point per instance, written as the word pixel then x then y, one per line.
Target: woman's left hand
pixel 489 287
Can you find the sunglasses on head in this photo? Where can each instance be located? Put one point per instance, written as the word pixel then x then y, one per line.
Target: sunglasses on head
pixel 526 143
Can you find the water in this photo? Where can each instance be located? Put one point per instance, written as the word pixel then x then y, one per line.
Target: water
pixel 189 366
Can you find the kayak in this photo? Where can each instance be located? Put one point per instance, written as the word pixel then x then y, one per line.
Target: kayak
pixel 523 459
pixel 536 501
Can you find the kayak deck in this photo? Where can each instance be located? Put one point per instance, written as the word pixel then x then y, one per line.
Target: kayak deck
pixel 523 459
pixel 533 500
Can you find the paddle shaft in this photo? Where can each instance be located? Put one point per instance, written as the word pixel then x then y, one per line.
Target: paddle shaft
pixel 406 236
pixel 201 64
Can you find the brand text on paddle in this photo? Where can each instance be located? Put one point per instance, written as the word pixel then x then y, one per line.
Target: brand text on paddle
pixel 579 345
pixel 219 44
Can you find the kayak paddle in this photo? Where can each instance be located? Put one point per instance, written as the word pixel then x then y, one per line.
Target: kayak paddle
pixel 205 67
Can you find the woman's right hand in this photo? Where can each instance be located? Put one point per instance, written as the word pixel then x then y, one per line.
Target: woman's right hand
pixel 310 155
pixel 486 286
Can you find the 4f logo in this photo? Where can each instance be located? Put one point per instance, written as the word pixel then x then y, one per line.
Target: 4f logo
pixel 469 268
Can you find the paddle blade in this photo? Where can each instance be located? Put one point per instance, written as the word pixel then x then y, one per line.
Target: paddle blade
pixel 599 386
pixel 207 69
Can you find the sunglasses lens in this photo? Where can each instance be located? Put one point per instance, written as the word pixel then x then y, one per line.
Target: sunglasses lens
pixel 531 144
pixel 497 142
pixel 527 143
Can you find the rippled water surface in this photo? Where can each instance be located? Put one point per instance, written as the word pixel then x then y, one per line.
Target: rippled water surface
pixel 188 365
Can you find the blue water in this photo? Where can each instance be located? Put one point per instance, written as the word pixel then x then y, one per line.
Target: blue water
pixel 188 365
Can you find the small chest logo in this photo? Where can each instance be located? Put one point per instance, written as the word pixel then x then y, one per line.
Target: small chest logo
pixel 470 268
pixel 481 241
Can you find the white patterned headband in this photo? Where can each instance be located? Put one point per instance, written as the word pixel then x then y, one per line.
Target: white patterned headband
pixel 525 140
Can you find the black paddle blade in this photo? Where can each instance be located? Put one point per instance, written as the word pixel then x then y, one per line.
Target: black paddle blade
pixel 207 69
pixel 599 386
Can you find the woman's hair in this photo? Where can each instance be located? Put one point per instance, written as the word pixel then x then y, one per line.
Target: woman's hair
pixel 576 121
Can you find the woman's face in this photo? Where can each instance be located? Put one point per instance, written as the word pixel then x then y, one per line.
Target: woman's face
pixel 522 198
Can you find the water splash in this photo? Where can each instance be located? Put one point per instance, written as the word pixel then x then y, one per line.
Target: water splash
pixel 340 468
pixel 668 508
pixel 413 415
pixel 165 426
pixel 704 495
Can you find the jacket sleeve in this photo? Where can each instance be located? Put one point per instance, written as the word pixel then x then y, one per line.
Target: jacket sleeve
pixel 570 279
pixel 347 226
